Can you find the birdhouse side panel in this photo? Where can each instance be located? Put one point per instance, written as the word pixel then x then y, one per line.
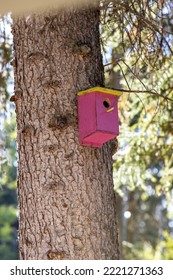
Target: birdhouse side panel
pixel 86 115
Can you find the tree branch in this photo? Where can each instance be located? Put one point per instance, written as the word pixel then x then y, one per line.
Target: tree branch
pixel 145 91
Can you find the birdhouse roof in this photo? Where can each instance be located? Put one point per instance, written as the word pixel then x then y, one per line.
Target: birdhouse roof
pixel 100 90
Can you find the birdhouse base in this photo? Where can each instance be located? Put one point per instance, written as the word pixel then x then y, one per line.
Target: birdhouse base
pixel 97 139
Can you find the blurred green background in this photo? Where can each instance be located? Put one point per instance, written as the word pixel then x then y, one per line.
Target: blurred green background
pixel 8 153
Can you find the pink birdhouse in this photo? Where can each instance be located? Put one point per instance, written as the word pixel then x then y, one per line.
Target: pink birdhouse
pixel 98 116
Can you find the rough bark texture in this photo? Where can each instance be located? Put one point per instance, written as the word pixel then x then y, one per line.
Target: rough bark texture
pixel 66 198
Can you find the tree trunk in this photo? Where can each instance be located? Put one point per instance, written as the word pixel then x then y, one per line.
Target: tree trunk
pixel 65 191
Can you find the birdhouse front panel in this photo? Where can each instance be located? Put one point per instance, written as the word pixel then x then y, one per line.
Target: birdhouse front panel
pixel 98 116
pixel 107 113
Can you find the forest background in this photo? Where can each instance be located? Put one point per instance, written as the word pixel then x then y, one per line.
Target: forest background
pixel 137 56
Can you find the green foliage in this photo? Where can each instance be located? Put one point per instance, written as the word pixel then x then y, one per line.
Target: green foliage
pixel 8 195
pixel 140 251
pixel 167 246
pixel 8 237
pixel 145 142
pixel 145 250
pixel 8 160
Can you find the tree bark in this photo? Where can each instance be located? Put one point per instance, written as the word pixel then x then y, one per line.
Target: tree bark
pixel 65 191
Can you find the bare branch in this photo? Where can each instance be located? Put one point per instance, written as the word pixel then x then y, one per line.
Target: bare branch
pixel 146 91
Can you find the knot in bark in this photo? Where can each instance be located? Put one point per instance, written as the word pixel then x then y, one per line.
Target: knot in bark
pixel 82 49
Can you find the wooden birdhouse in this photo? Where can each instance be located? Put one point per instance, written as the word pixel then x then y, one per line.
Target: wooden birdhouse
pixel 98 116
